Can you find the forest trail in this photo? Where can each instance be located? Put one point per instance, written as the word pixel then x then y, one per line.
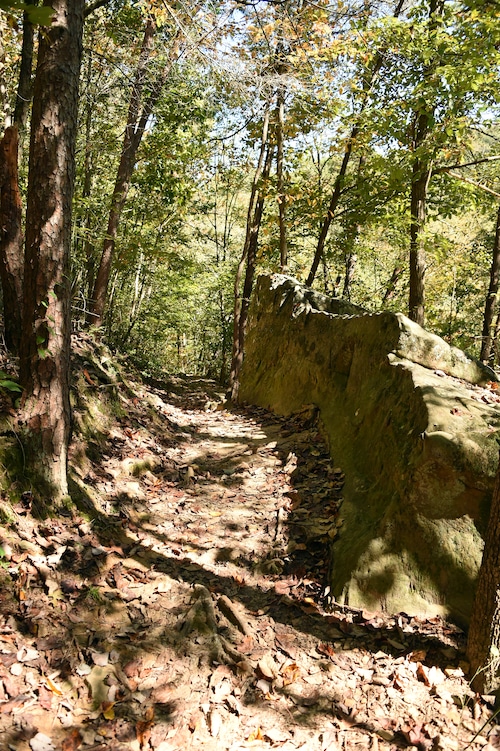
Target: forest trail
pixel 188 608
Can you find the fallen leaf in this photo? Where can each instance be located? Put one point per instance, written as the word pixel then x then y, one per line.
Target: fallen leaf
pixel 7 707
pixel 246 644
pixel 26 654
pixel 108 711
pixel 143 727
pixel 87 377
pixel 72 741
pixel 41 742
pixel 281 587
pixel 100 658
pixel 268 667
pixel 325 649
pixel 215 722
pixel 290 673
pixel 422 674
pixel 256 735
pixel 44 697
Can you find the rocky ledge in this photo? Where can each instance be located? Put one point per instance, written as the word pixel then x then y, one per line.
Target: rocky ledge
pixel 414 424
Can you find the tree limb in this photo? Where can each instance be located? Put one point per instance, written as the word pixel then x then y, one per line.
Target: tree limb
pixel 467 164
pixel 475 184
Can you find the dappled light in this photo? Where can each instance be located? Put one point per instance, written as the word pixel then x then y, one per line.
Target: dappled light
pixel 186 604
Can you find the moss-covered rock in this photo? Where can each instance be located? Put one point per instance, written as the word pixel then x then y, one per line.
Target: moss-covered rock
pixel 416 441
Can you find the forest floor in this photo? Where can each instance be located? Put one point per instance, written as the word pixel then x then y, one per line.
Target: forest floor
pixel 186 606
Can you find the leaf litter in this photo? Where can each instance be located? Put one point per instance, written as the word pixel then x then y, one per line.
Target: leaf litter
pixel 186 604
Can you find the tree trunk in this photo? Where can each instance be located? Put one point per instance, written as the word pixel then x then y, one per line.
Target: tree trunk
pixel 334 201
pixel 492 297
pixel 351 260
pixel 140 111
pixel 11 238
pixel 420 180
pixel 483 644
pixel 368 81
pixel 248 285
pixel 421 176
pixel 280 179
pixel 45 342
pixel 251 230
pixel 25 85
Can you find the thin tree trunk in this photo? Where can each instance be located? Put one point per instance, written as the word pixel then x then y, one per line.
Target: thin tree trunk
pixel 25 85
pixel 88 248
pixel 483 644
pixel 340 179
pixel 391 286
pixel 419 184
pixel 45 342
pixel 5 109
pixel 421 176
pixel 248 283
pixel 140 110
pixel 252 206
pixel 11 238
pixel 350 267
pixel 280 180
pixel 491 304
pixel 334 201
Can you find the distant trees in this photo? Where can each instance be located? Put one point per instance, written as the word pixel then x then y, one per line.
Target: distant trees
pixel 370 115
pixel 144 97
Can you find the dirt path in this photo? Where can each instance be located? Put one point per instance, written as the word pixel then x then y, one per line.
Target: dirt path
pixel 186 609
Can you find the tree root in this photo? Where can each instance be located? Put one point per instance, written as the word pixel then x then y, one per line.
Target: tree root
pixel 201 617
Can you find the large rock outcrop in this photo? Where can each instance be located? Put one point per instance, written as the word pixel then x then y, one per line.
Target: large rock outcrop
pixel 415 437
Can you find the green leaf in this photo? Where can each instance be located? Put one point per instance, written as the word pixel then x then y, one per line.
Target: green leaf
pixel 10 385
pixel 41 16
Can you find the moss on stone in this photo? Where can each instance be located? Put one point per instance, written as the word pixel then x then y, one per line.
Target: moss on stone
pixel 419 453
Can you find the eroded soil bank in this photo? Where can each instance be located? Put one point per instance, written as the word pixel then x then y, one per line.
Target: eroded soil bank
pixel 185 606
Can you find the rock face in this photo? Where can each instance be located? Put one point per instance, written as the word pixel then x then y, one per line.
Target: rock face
pixel 410 425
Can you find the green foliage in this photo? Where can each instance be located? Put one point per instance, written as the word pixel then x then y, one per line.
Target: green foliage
pixel 37 15
pixel 7 383
pixel 359 82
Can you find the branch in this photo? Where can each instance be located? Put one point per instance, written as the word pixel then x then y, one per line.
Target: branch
pixel 94 6
pixel 475 184
pixel 467 164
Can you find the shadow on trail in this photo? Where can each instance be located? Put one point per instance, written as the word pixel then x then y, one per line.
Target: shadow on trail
pixel 344 625
pixel 316 489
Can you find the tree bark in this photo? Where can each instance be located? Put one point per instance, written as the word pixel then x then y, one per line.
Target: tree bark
pixel 11 238
pixel 140 110
pixel 483 644
pixel 421 175
pixel 25 84
pixel 280 112
pixel 45 342
pixel 492 297
pixel 392 283
pixel 251 258
pixel 251 231
pixel 420 180
pixel 351 260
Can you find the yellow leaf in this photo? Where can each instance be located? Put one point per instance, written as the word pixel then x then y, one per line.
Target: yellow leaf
pixel 256 735
pixel 52 687
pixel 108 710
